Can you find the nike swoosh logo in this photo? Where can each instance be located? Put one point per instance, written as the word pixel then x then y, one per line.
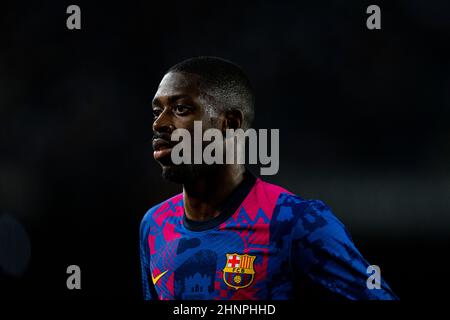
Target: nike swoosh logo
pixel 155 279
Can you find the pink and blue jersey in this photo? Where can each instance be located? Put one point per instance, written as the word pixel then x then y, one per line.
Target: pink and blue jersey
pixel 266 244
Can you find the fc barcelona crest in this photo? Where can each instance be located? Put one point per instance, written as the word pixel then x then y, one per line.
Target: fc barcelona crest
pixel 239 272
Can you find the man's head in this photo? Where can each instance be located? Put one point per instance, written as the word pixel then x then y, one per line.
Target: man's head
pixel 208 89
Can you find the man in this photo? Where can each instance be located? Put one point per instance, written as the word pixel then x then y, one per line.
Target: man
pixel 230 235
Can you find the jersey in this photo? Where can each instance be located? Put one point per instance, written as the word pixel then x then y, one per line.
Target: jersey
pixel 267 244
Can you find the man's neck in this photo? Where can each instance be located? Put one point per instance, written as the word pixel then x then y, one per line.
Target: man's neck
pixel 204 198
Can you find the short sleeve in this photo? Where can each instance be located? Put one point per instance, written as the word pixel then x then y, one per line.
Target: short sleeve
pixel 322 250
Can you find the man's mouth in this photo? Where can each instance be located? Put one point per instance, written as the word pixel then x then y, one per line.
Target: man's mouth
pixel 162 148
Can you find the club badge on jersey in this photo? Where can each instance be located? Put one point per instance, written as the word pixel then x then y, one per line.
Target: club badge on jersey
pixel 238 272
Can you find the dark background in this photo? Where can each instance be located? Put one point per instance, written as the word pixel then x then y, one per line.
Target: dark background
pixel 363 118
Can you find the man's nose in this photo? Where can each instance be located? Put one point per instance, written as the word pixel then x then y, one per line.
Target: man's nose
pixel 163 123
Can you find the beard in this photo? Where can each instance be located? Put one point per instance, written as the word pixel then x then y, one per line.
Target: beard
pixel 181 174
pixel 188 173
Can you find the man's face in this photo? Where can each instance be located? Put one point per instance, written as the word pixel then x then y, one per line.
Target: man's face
pixel 178 102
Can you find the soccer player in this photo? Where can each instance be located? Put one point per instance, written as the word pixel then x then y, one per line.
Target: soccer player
pixel 229 234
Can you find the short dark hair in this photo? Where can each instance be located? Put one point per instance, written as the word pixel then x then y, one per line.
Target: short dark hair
pixel 225 80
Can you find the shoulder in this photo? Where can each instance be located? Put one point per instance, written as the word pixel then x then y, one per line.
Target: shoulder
pixel 266 196
pixel 306 209
pixel 159 212
pixel 284 199
pixel 306 215
pixel 312 216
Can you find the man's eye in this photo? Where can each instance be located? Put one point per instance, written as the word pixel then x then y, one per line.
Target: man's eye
pixel 181 109
pixel 156 113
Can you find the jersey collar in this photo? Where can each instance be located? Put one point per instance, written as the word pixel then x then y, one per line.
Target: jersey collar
pixel 231 205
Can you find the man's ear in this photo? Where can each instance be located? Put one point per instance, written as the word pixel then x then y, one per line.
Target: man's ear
pixel 234 119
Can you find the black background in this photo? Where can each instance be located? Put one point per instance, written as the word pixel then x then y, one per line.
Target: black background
pixel 363 118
